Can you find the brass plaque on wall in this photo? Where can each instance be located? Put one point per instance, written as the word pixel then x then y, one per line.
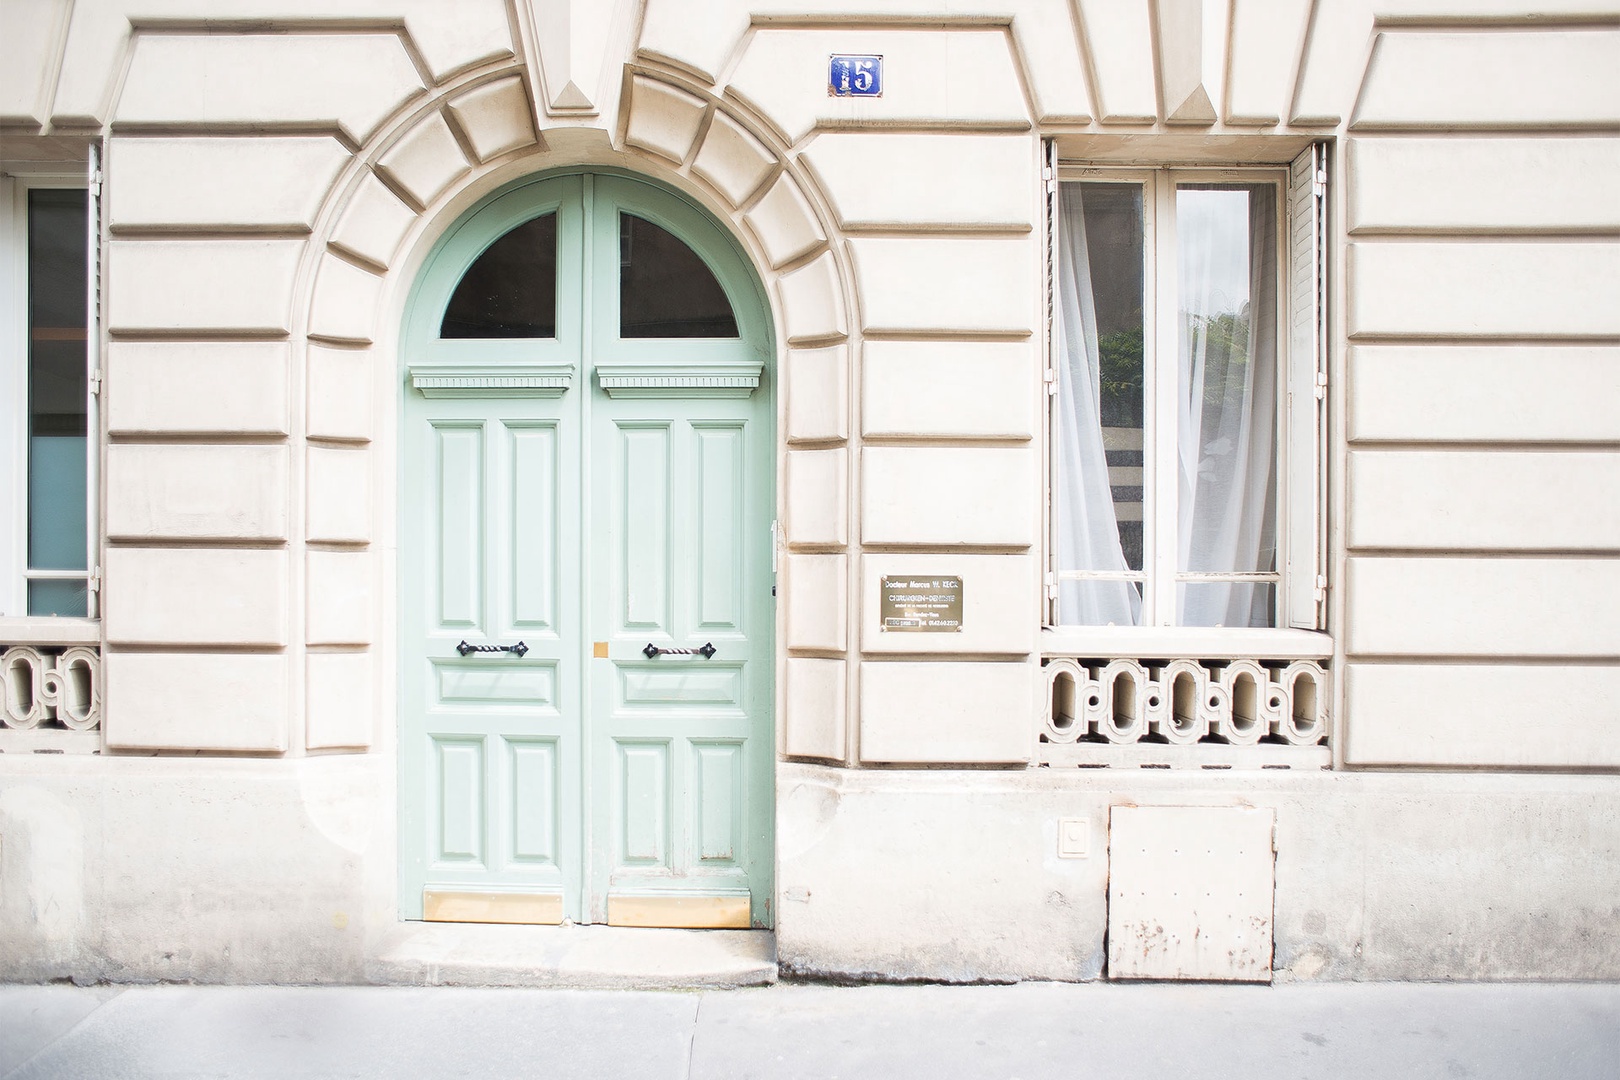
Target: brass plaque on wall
pixel 929 605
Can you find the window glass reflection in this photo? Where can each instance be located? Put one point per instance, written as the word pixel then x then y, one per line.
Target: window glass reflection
pixel 511 290
pixel 665 290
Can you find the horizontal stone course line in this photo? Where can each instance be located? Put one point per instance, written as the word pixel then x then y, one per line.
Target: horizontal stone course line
pixel 1453 338
pixel 207 648
pixel 1485 21
pixel 1460 236
pixel 1480 660
pixel 215 231
pixel 210 336
pixel 1504 445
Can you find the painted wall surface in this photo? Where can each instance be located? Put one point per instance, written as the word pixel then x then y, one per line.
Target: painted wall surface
pixel 273 180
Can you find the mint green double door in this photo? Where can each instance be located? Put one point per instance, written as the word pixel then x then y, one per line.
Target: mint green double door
pixel 586 587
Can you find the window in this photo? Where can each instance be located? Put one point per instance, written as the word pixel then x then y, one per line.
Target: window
pixel 1186 434
pixel 46 417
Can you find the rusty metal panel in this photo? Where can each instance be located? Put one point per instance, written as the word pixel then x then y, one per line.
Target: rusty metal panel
pixel 1190 892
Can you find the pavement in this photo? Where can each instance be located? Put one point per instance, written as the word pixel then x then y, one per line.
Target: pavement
pixel 1029 1031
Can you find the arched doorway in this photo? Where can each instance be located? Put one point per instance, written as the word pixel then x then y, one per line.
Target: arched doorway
pixel 586 612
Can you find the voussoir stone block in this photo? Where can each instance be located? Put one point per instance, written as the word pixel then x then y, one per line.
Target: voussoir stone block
pixel 1120 37
pixel 196 701
pixel 950 389
pixel 338 487
pixel 340 595
pixel 202 285
pixel 340 703
pixel 374 222
pixel 961 284
pixel 663 119
pixel 340 393
pixel 817 593
pixel 1264 49
pixel 196 492
pixel 27 52
pixel 785 223
pixel 201 182
pixel 426 160
pixel 999 609
pixel 195 596
pixel 695 36
pixel 345 302
pixel 815 715
pixel 949 495
pixel 818 393
pixel 938 712
pixel 454 37
pixel 878 179
pixel 193 387
pixel 267 79
pixel 496 117
pixel 817 499
pixel 1532 79
pixel 812 302
pixel 732 159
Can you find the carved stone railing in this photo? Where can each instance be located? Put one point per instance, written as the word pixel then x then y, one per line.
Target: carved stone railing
pixel 1181 710
pixel 50 697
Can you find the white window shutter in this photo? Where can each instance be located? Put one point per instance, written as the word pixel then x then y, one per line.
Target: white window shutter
pixel 1305 489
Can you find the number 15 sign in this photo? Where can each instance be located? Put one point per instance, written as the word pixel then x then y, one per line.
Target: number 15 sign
pixel 854 76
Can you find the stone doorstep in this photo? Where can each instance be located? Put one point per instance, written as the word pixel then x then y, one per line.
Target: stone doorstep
pixel 572 957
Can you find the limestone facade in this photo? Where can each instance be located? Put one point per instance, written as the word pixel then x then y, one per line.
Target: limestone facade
pixel 272 181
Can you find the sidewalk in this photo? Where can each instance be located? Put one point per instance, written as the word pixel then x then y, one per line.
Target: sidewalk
pixel 1035 1030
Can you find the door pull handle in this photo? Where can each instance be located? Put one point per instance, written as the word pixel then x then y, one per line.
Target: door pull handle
pixel 707 651
pixel 517 650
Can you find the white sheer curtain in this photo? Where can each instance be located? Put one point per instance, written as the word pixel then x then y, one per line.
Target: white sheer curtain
pixel 1226 442
pixel 1088 534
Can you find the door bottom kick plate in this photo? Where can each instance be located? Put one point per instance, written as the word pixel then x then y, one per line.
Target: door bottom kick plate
pixel 687 911
pixel 469 905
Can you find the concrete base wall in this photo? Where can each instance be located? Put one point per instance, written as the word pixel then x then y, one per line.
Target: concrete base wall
pixel 135 869
pixel 955 875
pixel 140 869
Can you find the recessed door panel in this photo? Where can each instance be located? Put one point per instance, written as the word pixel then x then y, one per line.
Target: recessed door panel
pixel 461 800
pixel 532 772
pixel 459 518
pixel 717 792
pixel 642 805
pixel 719 516
pixel 708 688
pixel 481 684
pixel 644 534
pixel 534 572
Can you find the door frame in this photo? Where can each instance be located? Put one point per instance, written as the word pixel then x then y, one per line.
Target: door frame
pixel 434 279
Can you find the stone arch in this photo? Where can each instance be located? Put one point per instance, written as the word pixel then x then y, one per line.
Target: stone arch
pixel 412 179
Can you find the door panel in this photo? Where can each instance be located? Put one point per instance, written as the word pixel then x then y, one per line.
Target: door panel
pixel 691 476
pixel 581 778
pixel 496 484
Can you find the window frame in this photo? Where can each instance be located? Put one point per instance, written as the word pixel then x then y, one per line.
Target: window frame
pixel 16 182
pixel 1300 425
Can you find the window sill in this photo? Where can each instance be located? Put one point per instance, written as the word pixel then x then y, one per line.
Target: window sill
pixel 49 630
pixel 1196 642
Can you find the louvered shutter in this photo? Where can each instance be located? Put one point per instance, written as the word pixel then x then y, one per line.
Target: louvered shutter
pixel 1306 454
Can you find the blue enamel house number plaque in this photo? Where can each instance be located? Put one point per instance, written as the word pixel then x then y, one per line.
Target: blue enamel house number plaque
pixel 854 76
